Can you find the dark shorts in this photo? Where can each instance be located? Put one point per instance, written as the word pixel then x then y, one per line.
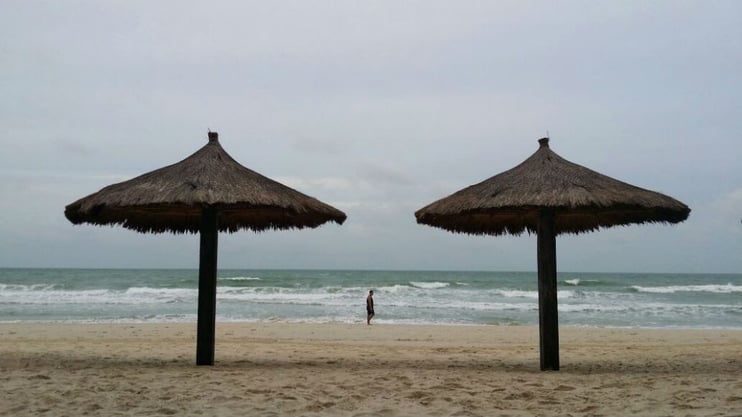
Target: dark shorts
pixel 369 311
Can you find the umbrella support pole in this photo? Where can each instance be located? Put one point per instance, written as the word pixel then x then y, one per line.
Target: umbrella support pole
pixel 207 287
pixel 547 292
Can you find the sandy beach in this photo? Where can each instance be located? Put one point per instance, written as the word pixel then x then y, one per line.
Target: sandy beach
pixel 353 369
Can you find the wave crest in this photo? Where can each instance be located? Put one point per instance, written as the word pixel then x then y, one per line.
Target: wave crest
pixel 429 285
pixel 711 288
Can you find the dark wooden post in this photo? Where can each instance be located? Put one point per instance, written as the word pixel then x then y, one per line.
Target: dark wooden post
pixel 547 292
pixel 207 287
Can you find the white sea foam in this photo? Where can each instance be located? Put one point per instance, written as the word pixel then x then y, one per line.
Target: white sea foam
pixel 154 295
pixel 711 288
pixel 532 294
pixel 429 285
pixel 393 289
pixel 579 281
pixel 24 288
pixel 487 306
pixel 135 295
pixel 241 279
pixel 278 295
pixel 589 308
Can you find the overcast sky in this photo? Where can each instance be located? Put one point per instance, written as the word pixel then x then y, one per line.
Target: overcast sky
pixel 377 108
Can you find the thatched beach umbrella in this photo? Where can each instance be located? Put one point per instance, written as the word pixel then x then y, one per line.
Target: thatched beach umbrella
pixel 208 192
pixel 549 195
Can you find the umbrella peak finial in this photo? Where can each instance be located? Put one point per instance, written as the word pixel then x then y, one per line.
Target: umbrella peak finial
pixel 543 142
pixel 213 136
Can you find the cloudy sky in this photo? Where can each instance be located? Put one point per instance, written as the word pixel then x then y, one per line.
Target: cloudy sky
pixel 377 108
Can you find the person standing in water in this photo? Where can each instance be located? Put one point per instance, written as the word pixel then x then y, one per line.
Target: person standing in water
pixel 369 307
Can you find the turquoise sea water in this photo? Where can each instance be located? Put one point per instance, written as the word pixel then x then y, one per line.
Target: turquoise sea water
pixel 407 297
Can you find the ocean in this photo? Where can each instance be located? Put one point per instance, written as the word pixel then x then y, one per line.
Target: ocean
pixel 403 297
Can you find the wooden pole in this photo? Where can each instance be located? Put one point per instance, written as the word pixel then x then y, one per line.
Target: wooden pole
pixel 207 287
pixel 547 292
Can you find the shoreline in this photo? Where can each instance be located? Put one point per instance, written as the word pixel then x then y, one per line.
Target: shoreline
pixel 359 321
pixel 353 369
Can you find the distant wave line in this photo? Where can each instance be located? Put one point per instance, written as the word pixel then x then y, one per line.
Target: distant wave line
pixel 241 279
pixel 711 288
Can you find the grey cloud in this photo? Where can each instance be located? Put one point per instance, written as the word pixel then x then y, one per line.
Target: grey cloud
pixel 380 107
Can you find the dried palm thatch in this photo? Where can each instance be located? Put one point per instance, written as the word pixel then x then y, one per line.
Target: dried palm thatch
pixel 548 195
pixel 171 199
pixel 582 199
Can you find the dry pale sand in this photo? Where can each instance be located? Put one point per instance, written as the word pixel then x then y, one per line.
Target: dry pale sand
pixel 348 370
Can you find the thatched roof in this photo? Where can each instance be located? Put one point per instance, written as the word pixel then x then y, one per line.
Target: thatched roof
pixel 171 199
pixel 582 199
